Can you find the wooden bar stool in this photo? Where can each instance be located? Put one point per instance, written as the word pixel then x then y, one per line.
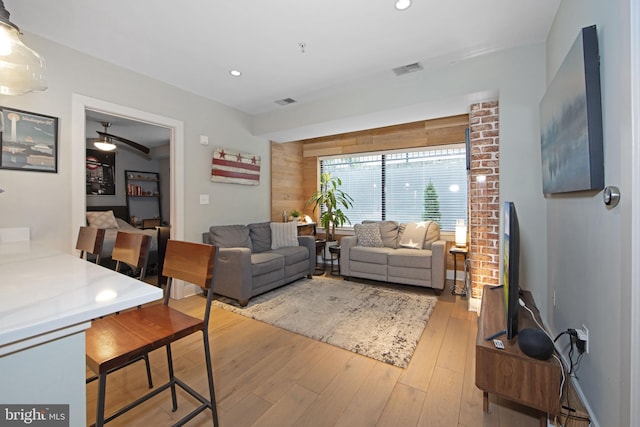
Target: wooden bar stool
pixel 113 341
pixel 90 240
pixel 132 249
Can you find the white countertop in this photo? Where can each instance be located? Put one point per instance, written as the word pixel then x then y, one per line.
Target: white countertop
pixel 45 294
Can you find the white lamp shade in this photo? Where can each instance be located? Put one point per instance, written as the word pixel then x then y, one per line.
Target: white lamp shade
pixel 21 69
pixel 461 233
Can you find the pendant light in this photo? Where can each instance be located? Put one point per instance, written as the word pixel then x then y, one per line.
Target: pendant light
pixel 21 69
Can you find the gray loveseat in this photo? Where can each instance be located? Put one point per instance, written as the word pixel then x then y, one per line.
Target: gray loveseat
pixel 410 254
pixel 247 264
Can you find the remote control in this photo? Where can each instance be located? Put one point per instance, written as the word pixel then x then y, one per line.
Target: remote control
pixel 499 344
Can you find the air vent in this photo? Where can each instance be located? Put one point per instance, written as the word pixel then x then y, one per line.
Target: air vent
pixel 406 69
pixel 285 101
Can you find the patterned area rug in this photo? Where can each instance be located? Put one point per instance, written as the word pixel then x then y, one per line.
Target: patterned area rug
pixel 378 322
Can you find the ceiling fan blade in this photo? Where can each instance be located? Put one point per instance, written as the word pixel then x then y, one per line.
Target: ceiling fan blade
pixel 135 145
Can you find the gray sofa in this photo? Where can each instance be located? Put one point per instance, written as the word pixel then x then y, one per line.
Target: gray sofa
pixel 410 254
pixel 247 264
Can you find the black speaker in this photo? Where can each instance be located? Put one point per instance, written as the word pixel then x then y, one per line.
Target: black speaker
pixel 535 343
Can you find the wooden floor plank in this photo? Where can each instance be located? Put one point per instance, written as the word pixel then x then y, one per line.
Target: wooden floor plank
pixel 287 411
pixel 442 403
pixel 403 407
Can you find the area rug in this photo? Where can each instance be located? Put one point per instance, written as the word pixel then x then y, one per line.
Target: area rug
pixel 382 323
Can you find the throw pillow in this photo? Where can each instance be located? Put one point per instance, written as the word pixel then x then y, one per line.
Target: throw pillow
pixel 368 235
pixel 104 219
pixel 413 236
pixel 283 234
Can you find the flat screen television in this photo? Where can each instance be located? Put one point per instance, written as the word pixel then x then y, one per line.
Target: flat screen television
pixel 510 270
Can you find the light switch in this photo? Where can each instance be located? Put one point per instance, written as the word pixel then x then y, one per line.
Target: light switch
pixel 204 199
pixel 204 140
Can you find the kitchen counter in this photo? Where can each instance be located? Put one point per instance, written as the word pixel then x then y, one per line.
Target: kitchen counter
pixel 47 301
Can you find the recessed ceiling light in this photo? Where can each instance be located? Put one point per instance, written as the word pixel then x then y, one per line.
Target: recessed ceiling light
pixel 403 4
pixel 235 73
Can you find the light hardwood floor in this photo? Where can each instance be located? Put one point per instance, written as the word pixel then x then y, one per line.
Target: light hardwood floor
pixel 265 376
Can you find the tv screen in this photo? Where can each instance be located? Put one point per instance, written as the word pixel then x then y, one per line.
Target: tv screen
pixel 511 268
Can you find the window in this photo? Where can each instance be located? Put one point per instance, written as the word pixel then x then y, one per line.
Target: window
pixel 405 186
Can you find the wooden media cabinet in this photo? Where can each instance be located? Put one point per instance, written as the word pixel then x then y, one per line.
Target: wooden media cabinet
pixel 511 374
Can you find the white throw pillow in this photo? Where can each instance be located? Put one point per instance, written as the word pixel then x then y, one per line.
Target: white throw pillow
pixel 413 235
pixel 104 219
pixel 283 234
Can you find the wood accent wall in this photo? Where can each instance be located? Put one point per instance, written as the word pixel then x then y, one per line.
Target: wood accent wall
pixel 287 192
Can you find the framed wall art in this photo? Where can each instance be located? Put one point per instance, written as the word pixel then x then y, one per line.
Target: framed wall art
pixel 28 141
pixel 571 121
pixel 100 173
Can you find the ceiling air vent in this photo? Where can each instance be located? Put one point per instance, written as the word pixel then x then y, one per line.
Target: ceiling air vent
pixel 285 101
pixel 406 69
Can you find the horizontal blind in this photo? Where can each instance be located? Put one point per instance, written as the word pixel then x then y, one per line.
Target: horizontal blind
pixel 418 185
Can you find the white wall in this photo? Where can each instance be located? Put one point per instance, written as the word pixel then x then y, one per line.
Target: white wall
pixel 588 249
pixel 42 201
pixel 516 76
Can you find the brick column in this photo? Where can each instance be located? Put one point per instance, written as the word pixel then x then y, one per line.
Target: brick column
pixel 484 196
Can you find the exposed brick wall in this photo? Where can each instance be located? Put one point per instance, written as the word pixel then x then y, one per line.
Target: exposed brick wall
pixel 484 196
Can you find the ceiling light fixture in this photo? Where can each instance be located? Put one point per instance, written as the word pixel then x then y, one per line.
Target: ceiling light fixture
pixel 235 73
pixel 104 143
pixel 21 69
pixel 403 4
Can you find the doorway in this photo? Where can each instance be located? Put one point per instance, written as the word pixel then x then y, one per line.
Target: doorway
pixel 79 106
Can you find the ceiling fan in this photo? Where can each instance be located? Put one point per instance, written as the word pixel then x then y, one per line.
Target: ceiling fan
pixel 106 141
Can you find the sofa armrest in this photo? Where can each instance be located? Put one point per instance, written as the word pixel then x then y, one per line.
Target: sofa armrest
pixel 310 243
pixel 233 273
pixel 346 244
pixel 438 264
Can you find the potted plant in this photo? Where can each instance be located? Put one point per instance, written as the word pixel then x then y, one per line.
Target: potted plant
pixel 334 201
pixel 295 215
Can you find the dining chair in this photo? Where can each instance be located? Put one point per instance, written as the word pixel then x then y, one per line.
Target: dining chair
pixel 90 240
pixel 113 341
pixel 132 249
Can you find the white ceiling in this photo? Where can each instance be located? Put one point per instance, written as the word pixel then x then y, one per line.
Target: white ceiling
pixel 193 44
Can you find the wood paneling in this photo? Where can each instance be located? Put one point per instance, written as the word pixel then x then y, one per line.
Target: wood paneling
pixel 286 179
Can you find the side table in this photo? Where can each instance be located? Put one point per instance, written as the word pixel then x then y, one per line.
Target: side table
pixel 455 251
pixel 335 254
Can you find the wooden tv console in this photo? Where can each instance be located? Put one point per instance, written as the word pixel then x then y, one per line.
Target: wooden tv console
pixel 509 373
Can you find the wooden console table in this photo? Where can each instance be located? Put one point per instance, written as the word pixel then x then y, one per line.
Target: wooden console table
pixel 510 373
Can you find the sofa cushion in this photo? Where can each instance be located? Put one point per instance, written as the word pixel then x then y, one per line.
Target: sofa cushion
pixel 283 234
pixel 404 257
pixel 293 254
pixel 266 262
pixel 370 255
pixel 388 232
pixel 230 236
pixel 413 235
pixel 368 235
pixel 260 234
pixel 432 234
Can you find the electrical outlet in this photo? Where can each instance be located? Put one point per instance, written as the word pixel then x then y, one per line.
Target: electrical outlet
pixel 583 334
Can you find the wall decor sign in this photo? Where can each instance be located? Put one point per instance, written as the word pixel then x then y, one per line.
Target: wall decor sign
pixel 28 141
pixel 100 173
pixel 235 167
pixel 571 121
